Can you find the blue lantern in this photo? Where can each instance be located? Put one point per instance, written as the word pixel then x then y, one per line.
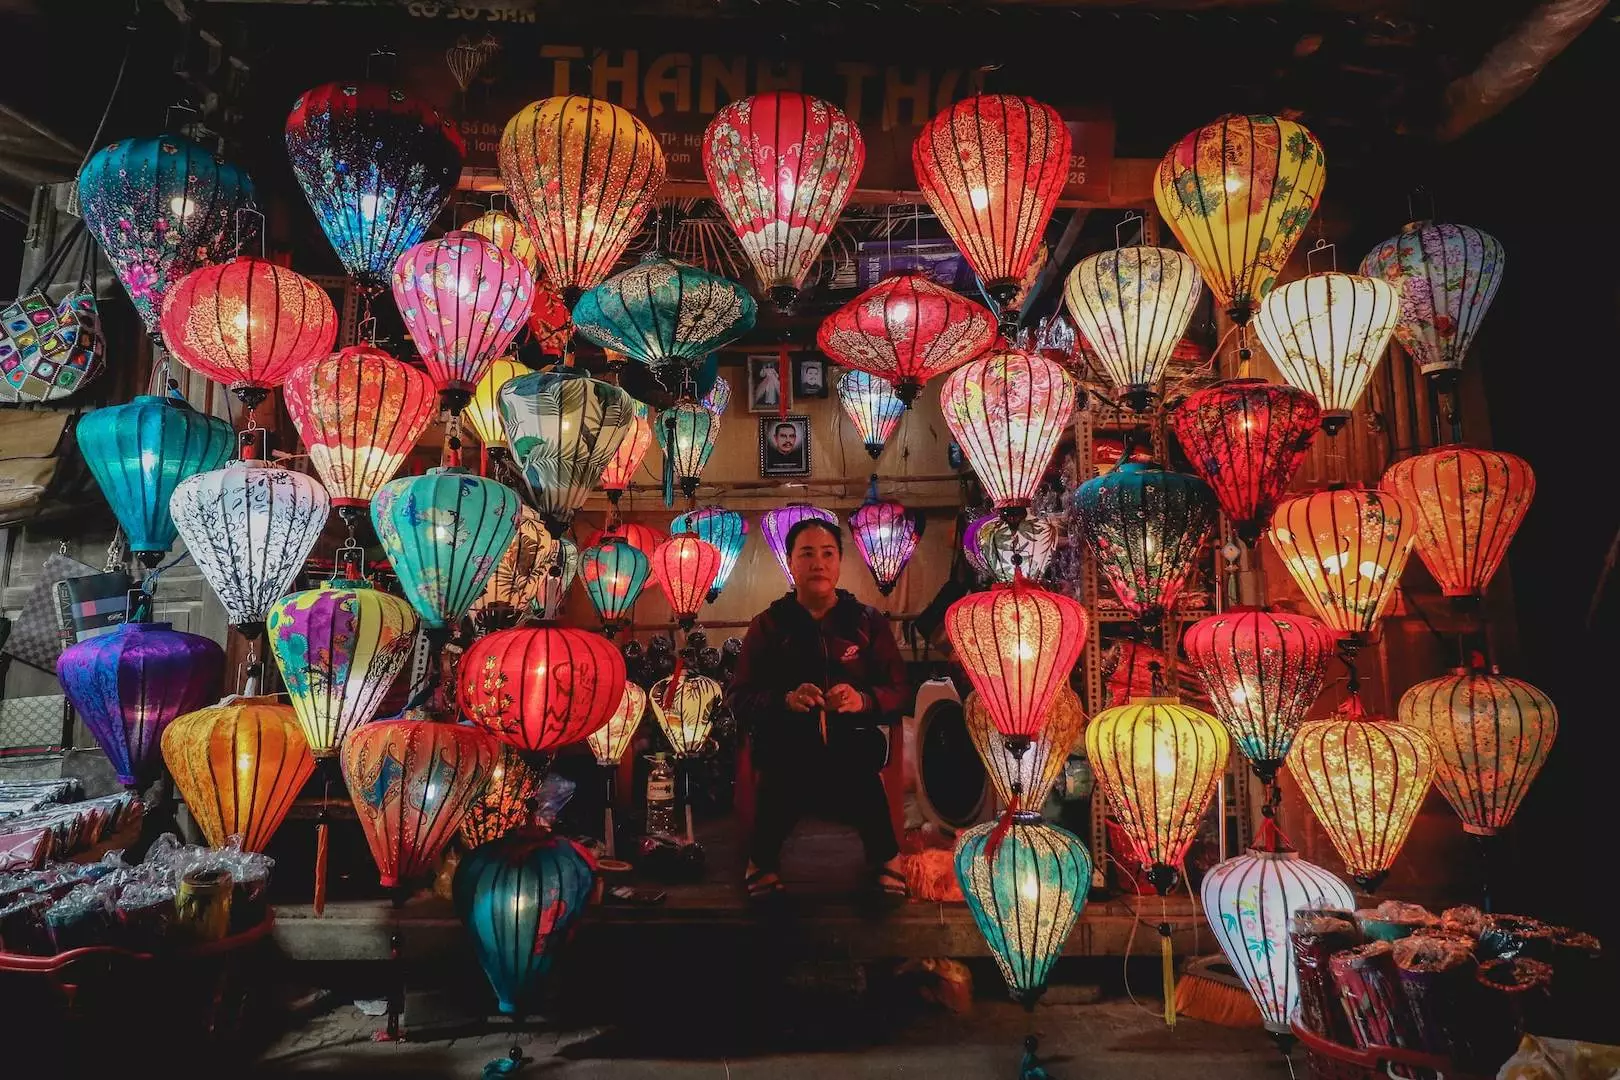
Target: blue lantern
pixel 665 312
pixel 518 896
pixel 614 573
pixel 726 529
pixel 140 452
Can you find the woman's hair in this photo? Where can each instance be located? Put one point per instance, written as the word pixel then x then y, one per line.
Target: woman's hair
pixel 814 523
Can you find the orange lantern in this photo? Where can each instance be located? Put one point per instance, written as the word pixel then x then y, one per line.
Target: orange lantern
pixel 1468 505
pixel 628 458
pixel 504 232
pixel 505 804
pixel 685 568
pixel 1345 549
pixel 238 765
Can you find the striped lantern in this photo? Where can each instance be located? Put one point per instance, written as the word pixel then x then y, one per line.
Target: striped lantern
pixel 1468 504
pixel 1345 548
pixel 238 765
pixel 1033 774
pixel 541 687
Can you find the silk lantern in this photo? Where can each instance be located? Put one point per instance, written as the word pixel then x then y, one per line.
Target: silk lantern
pixel 483 411
pixel 1158 761
pixel 644 538
pixel 992 167
pixel 339 647
pixel 906 329
pixel 558 577
pixel 871 405
pixel 542 687
pixel 726 529
pixel 129 683
pixel 160 207
pixel 1238 193
pixel 1447 276
pixel 886 534
pixel 612 739
pixel 627 459
pixel 782 166
pixel 1345 549
pixel 662 312
pixel 238 765
pixel 139 453
pixel 1262 671
pixel 685 568
pixel 411 782
pixel 513 590
pixel 360 412
pixel 1005 552
pixel 1491 736
pixel 506 804
pixel 777 523
pixel 582 175
pixel 971 547
pixel 377 166
pixel 684 704
pixel 551 326
pixel 614 573
pixel 686 434
pixel 1008 410
pixel 249 527
pixel 504 232
pixel 563 428
pixel 1326 333
pixel 1028 778
pixel 1132 306
pixel 1468 505
pixel 1146 527
pixel 1246 438
pixel 718 397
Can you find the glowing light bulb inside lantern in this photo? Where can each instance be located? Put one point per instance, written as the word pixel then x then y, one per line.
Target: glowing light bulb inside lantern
pixel 244 762
pixel 149 459
pixel 241 321
pixel 1029 887
pixel 1164 761
pixel 368 206
pixel 441 533
pixel 182 207
pixel 979 197
pixel 1026 651
pixel 1233 184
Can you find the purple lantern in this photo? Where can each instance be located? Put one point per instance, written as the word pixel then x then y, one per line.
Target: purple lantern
pixel 970 543
pixel 129 683
pixel 776 524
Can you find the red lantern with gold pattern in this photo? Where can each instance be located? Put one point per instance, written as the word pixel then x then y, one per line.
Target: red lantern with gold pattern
pixel 906 329
pixel 685 567
pixel 1468 505
pixel 538 688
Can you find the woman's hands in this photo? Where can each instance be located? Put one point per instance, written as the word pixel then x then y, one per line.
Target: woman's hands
pixel 806 697
pixel 842 698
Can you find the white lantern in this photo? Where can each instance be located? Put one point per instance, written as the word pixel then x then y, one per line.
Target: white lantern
pixel 686 713
pixel 1033 542
pixel 1326 334
pixel 1132 305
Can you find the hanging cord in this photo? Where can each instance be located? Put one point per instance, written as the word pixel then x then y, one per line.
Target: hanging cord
pixel 130 28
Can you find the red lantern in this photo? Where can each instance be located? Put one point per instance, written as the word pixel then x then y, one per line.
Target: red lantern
pixel 906 329
pixel 886 533
pixel 685 568
pixel 1468 505
pixel 1246 438
pixel 550 324
pixel 540 687
pixel 644 538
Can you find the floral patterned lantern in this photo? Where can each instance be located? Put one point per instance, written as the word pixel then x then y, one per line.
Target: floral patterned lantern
pixel 506 804
pixel 1345 549
pixel 886 534
pixel 611 740
pixel 972 546
pixel 238 765
pixel 1007 411
pixel 776 524
pixel 483 411
pixel 872 406
pixel 614 572
pixel 563 428
pixel 661 312
pixel 1132 305
pixel 684 704
pixel 906 329
pixel 718 397
pixel 1028 778
pixel 541 687
pixel 1006 552
pixel 558 578
pixel 726 529
pixel 1326 334
pixel 686 434
pixel 685 567
pixel 1147 527
pixel 1468 504
pixel 504 232
pixel 1447 276
pixel 628 457
pixel 514 589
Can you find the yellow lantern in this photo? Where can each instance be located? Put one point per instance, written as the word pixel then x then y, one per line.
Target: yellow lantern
pixel 483 413
pixel 612 739
pixel 685 710
pixel 1345 549
pixel 1033 774
pixel 504 232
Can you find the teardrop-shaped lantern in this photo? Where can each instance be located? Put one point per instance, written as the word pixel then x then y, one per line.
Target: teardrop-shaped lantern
pixel 1018 645
pixel 513 591
pixel 238 765
pixel 612 739
pixel 1491 736
pixel 131 682
pixel 518 897
pixel 663 312
pixel 1007 411
pixel 558 578
pixel 463 300
pixel 540 687
pixel 1326 333
pixel 1468 505
pixel 1026 898
pixel 872 406
pixel 582 175
pixel 248 324
pixel 377 166
pixel 1238 193
pixel 249 527
pixel 140 452
pixel 782 166
pixel 339 648
pixel 614 573
pixel 1006 552
pixel 718 397
pixel 1158 761
pixel 444 532
pixel 1246 438
pixel 726 529
pixel 1262 670
pixel 1447 276
pixel 506 804
pixel 505 232
pixel 776 524
pixel 563 428
pixel 359 411
pixel 992 167
pixel 483 411
pixel 1033 774
pixel 1345 549
pixel 684 710
pixel 685 567
pixel 411 782
pixel 160 208
pixel 686 434
pixel 628 457
pixel 886 534
pixel 1365 778
pixel 906 329
pixel 1146 527
pixel 1132 305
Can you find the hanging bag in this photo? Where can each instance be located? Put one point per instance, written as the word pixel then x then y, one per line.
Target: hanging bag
pixel 51 348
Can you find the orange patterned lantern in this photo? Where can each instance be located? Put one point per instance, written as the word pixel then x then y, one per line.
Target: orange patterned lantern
pixel 540 687
pixel 906 329
pixel 628 458
pixel 1468 505
pixel 685 568
pixel 238 765
pixel 505 804
pixel 1345 549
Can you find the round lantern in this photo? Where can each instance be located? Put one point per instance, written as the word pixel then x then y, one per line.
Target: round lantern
pixel 611 740
pixel 1326 334
pixel 555 582
pixel 582 175
pixel 726 529
pixel 238 765
pixel 514 590
pixel 718 397
pixel 563 428
pixel 1447 276
pixel 644 538
pixel 359 411
pixel 686 434
pixel 906 329
pixel 685 568
pixel 1491 736
pixel 1246 438
pixel 377 166
pixel 1147 527
pixel 872 406
pixel 1238 193
pixel 411 782
pixel 663 312
pixel 129 683
pixel 1007 411
pixel 886 534
pixel 628 457
pixel 1005 552
pixel 339 648
pixel 139 453
pixel 506 804
pixel 504 232
pixel 538 688
pixel 1132 305
pixel 1468 504
pixel 776 524
pixel 1345 549
pixel 684 707
pixel 782 166
pixel 1028 778
pixel 483 411
pixel 614 573
pixel 1158 761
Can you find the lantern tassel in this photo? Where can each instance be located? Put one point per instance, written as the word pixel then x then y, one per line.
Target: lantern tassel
pixel 1167 961
pixel 992 843
pixel 321 829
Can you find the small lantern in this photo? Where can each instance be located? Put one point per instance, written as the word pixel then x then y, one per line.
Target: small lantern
pixel 686 434
pixel 1326 333
pixel 685 568
pixel 239 765
pixel 555 581
pixel 726 529
pixel 1029 778
pixel 563 429
pixel 872 406
pixel 886 534
pixel 906 329
pixel 504 232
pixel 661 312
pixel 1147 527
pixel 1006 552
pixel 506 804
pixel 483 411
pixel 644 538
pixel 718 397
pixel 1345 549
pixel 684 707
pixel 614 572
pixel 539 688
pixel 1468 504
pixel 632 451
pixel 777 523
pixel 612 739
pixel 1447 276
pixel 515 590
pixel 1132 306
pixel 1007 411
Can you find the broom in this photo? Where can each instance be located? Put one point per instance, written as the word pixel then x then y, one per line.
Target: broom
pixel 1209 990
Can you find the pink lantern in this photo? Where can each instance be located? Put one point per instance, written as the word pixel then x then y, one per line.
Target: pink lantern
pixel 685 567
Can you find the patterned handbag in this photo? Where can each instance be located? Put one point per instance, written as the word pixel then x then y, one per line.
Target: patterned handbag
pixel 49 348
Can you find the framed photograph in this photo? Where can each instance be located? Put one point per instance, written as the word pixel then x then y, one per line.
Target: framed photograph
pixel 784 446
pixel 766 388
pixel 810 377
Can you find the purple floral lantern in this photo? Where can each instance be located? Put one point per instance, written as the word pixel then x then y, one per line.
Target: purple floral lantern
pixel 776 524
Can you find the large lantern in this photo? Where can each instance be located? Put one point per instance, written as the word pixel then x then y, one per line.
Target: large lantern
pixel 505 804
pixel 1158 762
pixel 131 682
pixel 1468 504
pixel 685 567
pixel 1238 193
pixel 1491 736
pixel 886 534
pixel 992 167
pixel 1004 552
pixel 872 406
pixel 1345 549
pixel 1132 306
pixel 1447 276
pixel 1029 777
pixel 612 739
pixel 614 572
pixel 663 312
pixel 782 166
pixel 582 175
pixel 514 589
pixel 1146 527
pixel 686 434
pixel 906 329
pixel 483 411
pixel 1246 438
pixel 504 232
pixel 377 167
pixel 160 208
pixel 238 765
pixel 1326 334
pixel 339 648
pixel 563 428
pixel 411 782
pixel 628 457
pixel 726 529
pixel 683 704
pixel 359 411
pixel 538 688
pixel 776 524
pixel 140 452
pixel 1007 411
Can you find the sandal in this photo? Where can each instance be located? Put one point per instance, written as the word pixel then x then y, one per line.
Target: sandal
pixel 892 885
pixel 763 885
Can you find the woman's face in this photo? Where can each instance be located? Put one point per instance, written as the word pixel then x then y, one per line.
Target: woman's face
pixel 815 562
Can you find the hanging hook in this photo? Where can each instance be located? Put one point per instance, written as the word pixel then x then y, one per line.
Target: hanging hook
pixel 1322 244
pixel 1133 215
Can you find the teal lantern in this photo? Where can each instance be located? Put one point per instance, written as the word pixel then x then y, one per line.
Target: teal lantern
pixel 563 428
pixel 686 434
pixel 444 532
pixel 664 312
pixel 140 452
pixel 614 573
pixel 726 529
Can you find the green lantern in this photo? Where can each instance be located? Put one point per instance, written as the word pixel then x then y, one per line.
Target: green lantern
pixel 614 573
pixel 664 312
pixel 686 434
pixel 563 428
